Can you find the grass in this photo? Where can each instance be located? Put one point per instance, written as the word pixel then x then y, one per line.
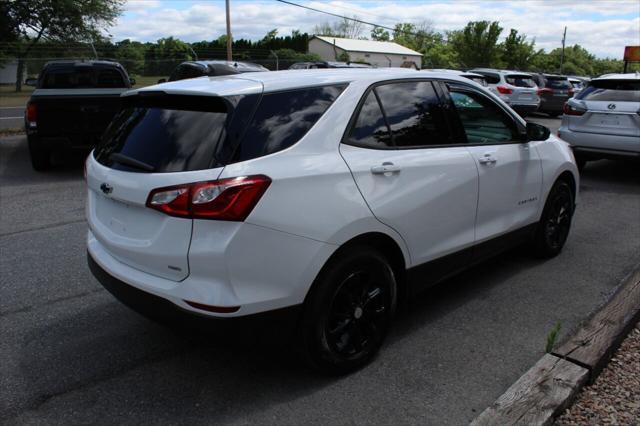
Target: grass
pixel 10 98
pixel 552 337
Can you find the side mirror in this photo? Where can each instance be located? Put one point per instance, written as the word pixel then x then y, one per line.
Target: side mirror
pixel 132 81
pixel 31 82
pixel 162 80
pixel 537 132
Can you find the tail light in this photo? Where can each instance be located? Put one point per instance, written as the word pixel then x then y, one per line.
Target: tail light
pixel 545 90
pixel 31 114
pixel 504 90
pixel 571 110
pixel 230 199
pixel 570 92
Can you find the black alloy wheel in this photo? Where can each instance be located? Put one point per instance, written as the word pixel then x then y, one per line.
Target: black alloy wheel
pixel 555 223
pixel 348 311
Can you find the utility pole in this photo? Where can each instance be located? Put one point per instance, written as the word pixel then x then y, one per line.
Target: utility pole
pixel 564 37
pixel 229 55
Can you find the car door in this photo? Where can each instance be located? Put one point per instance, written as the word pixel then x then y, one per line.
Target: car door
pixel 509 167
pixel 398 149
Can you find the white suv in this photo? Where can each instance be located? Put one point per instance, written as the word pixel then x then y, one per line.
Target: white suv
pixel 338 192
pixel 603 120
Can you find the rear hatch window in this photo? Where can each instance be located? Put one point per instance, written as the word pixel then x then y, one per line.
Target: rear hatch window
pixel 558 83
pixel 178 133
pixel 82 77
pixel 164 134
pixel 480 80
pixel 520 80
pixel 612 91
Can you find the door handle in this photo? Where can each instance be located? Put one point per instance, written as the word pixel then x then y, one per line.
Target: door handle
pixel 487 159
pixel 386 167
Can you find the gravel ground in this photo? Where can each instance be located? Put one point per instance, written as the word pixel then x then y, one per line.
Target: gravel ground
pixel 614 398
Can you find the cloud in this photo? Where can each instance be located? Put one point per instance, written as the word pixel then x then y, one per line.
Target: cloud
pixel 604 27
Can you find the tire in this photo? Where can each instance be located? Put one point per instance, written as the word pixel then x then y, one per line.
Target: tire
pixel 40 156
pixel 553 229
pixel 348 311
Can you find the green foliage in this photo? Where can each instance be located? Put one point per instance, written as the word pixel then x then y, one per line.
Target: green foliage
pixel 163 56
pixel 28 22
pixel 343 57
pixel 552 337
pixel 380 34
pixel 515 52
pixel 292 55
pixel 477 44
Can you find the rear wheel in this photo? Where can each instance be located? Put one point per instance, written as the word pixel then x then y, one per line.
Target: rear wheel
pixel 555 223
pixel 40 156
pixel 348 311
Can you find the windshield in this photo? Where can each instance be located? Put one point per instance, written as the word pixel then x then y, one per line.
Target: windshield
pixel 612 90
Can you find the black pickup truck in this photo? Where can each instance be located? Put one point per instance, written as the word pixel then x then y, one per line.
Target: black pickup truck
pixel 72 105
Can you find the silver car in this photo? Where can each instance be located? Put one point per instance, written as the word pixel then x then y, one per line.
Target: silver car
pixel 516 88
pixel 603 120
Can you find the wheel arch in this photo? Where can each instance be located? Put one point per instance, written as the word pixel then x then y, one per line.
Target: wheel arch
pixel 387 246
pixel 568 177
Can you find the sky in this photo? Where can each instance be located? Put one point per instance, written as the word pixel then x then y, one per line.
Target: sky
pixel 603 27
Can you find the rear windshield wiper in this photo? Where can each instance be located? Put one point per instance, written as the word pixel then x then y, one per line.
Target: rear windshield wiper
pixel 131 162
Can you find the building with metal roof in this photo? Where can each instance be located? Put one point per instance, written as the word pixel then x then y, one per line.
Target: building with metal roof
pixel 376 53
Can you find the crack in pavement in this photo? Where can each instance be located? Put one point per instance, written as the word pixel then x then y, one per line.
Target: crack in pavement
pixel 40 228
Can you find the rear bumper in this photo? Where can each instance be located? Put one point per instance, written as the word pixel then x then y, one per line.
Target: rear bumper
pixel 160 308
pixel 61 142
pixel 252 271
pixel 596 145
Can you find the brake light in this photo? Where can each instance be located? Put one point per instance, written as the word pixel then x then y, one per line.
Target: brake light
pixel 230 199
pixel 504 90
pixel 570 92
pixel 545 90
pixel 31 113
pixel 571 110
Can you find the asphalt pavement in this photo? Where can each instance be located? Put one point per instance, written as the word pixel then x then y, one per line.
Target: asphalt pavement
pixel 11 118
pixel 72 354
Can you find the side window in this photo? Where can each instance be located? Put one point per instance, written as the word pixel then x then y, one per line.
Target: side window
pixel 370 128
pixel 482 120
pixel 283 118
pixel 414 114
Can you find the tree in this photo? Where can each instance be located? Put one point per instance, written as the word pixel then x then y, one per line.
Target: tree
pixel 516 52
pixel 131 55
pixel 56 20
pixel 477 44
pixel 347 28
pixel 379 34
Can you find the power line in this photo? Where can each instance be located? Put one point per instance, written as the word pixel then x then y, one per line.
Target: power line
pixel 344 17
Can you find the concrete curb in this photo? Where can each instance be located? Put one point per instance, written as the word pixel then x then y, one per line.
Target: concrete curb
pixel 549 387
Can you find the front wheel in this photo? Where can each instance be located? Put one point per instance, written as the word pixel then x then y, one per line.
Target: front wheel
pixel 555 223
pixel 348 311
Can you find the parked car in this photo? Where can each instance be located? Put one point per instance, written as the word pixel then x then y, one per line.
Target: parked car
pixel 515 88
pixel 577 84
pixel 234 197
pixel 554 91
pixel 478 78
pixel 194 69
pixel 72 104
pixel 603 120
pixel 326 64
